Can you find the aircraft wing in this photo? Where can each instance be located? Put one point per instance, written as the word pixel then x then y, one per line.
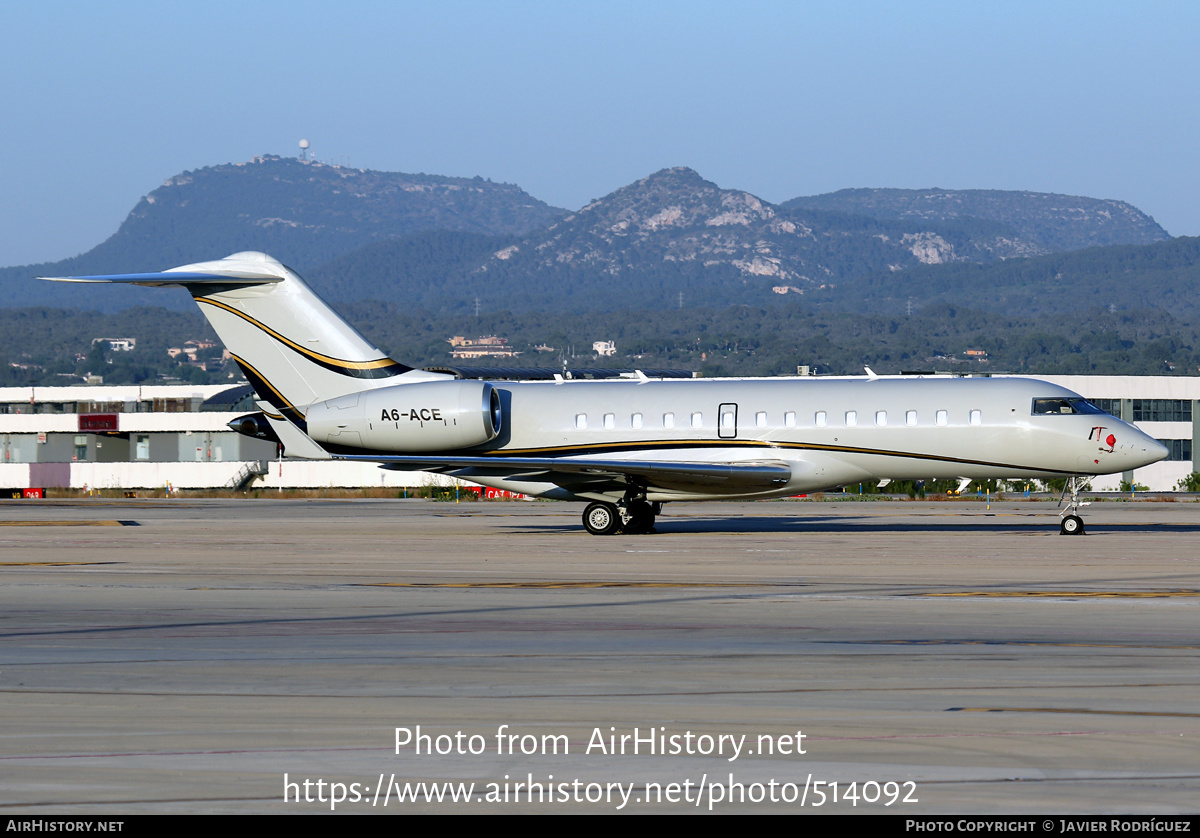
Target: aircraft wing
pixel 709 477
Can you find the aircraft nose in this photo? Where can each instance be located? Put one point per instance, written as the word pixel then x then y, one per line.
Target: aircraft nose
pixel 1143 450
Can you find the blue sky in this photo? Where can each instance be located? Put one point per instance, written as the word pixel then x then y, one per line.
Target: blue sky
pixel 103 101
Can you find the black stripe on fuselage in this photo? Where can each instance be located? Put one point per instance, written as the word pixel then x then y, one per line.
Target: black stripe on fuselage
pixel 674 445
pixel 268 393
pixel 380 368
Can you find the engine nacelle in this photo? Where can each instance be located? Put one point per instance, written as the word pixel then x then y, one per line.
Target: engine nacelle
pixel 426 416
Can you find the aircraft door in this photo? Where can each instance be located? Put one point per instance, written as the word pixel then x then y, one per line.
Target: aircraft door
pixel 727 421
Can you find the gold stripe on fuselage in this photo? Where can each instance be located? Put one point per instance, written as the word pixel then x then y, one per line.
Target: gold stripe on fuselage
pixel 578 450
pixel 381 363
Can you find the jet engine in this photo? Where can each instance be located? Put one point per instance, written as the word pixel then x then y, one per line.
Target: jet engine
pixel 425 416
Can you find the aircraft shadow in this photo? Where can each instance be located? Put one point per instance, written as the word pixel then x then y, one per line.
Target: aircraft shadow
pixel 860 525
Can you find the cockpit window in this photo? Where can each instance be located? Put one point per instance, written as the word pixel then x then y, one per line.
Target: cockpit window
pixel 1046 407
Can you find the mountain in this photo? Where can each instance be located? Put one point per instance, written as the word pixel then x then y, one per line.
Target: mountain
pixel 671 238
pixel 674 232
pixel 302 213
pixel 1038 222
pixel 1163 275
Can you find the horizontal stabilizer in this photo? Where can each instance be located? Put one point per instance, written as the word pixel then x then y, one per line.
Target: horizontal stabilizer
pixel 185 278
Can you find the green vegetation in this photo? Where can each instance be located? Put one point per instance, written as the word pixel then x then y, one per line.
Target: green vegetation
pixel 1191 483
pixel 1045 222
pixel 739 340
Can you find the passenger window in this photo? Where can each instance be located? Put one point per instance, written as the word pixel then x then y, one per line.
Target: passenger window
pixel 668 420
pixel 581 421
pixel 789 419
pixel 881 418
pixel 851 418
pixel 610 421
pixel 635 421
pixel 820 419
pixel 910 417
pixel 942 418
pixel 976 417
pixel 760 419
pixel 697 420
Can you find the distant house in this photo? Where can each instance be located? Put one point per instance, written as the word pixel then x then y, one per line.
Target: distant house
pixel 482 347
pixel 117 344
pixel 604 347
pixel 977 354
pixel 192 348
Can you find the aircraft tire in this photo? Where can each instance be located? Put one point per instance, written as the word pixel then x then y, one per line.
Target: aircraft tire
pixel 1072 525
pixel 601 518
pixel 641 519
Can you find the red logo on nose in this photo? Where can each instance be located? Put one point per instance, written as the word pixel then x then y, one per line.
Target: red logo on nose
pixel 1110 440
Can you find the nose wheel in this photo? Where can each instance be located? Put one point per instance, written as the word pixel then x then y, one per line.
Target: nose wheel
pixel 1072 523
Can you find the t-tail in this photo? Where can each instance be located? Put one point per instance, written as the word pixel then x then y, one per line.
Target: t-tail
pixel 307 365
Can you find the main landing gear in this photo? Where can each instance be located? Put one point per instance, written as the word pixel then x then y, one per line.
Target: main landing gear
pixel 1072 524
pixel 632 517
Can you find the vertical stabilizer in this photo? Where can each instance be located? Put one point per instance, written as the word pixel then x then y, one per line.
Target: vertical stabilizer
pixel 290 345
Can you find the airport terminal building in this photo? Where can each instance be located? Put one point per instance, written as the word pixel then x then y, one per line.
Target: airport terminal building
pixel 154 437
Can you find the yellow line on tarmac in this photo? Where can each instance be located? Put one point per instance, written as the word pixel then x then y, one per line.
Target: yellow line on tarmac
pixel 64 523
pixel 1073 594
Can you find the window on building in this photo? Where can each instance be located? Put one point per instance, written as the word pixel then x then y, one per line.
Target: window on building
pixel 1162 410
pixel 80 448
pixel 1179 450
pixel 1110 406
pixel 142 447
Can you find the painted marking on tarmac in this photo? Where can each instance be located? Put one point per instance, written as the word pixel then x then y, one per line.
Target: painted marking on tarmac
pixel 1044 643
pixel 576 585
pixel 69 524
pixel 1072 710
pixel 52 564
pixel 1071 594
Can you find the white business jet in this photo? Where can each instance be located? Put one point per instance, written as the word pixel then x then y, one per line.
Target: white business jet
pixel 627 446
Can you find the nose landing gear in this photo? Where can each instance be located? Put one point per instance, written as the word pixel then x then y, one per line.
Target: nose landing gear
pixel 1072 523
